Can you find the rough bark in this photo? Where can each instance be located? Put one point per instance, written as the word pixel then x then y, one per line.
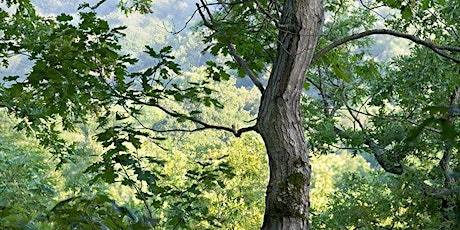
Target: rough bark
pixel 448 202
pixel 279 120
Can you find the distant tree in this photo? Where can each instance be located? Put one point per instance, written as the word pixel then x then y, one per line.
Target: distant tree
pixel 28 183
pixel 79 71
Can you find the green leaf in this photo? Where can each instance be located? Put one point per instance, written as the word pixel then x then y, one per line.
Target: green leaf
pixel 64 17
pixel 406 12
pixel 11 78
pixel 447 129
pixel 341 73
pixel 109 175
pixel 395 4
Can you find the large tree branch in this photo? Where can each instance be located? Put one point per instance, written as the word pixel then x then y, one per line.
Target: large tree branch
pixel 436 48
pixel 447 155
pixel 399 168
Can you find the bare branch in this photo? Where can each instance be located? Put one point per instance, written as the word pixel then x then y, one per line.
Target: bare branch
pixel 320 88
pixel 395 118
pixel 174 114
pixel 205 21
pixel 434 47
pixel 350 111
pixel 205 125
pixel 245 67
pixel 185 24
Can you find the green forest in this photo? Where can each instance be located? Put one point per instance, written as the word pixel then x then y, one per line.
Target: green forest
pixel 229 114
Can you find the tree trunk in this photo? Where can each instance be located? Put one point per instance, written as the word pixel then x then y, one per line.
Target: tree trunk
pixel 279 120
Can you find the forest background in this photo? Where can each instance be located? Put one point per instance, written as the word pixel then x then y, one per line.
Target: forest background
pixel 380 116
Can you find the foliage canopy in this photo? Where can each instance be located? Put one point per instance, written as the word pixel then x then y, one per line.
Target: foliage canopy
pixel 400 113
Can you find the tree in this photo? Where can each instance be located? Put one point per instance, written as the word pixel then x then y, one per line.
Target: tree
pixel 79 71
pixel 279 121
pixel 403 114
pixel 287 194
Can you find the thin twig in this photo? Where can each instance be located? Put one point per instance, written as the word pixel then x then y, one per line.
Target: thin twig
pixel 372 9
pixel 205 125
pixel 268 14
pixel 139 191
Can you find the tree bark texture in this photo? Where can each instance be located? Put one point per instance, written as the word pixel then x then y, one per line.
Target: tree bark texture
pixel 279 120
